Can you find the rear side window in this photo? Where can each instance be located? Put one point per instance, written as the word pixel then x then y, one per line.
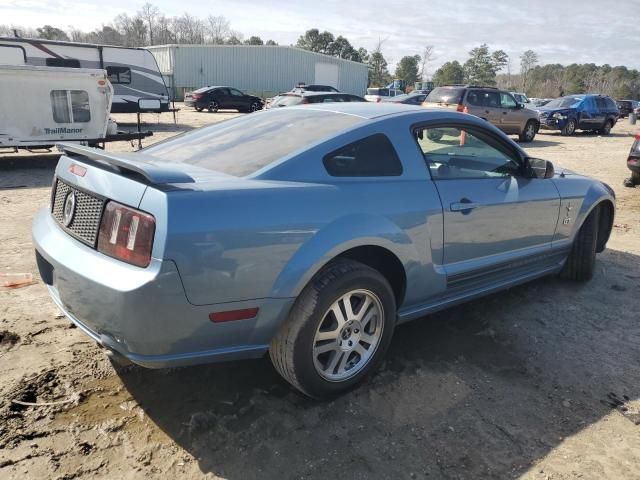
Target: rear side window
pixel 382 92
pixel 611 105
pixel 446 95
pixel 372 156
pixel 62 62
pixel 119 74
pixel 601 103
pixel 70 106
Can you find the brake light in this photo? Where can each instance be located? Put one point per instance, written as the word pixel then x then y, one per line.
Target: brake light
pixel 126 234
pixel 379 99
pixel 460 108
pixel 305 100
pixel 196 96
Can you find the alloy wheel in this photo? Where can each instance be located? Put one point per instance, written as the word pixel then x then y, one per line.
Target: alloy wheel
pixel 348 335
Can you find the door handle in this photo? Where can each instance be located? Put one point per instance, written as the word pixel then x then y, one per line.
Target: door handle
pixel 465 206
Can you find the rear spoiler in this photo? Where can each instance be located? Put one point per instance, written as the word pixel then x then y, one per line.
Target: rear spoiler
pixel 134 162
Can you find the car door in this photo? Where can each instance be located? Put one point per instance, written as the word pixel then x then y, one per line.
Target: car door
pixel 511 117
pixel 496 221
pixel 222 96
pixel 239 100
pixel 588 114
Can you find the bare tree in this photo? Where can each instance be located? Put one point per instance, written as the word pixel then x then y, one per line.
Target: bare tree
pixel 427 56
pixel 149 13
pixel 528 61
pixel 218 29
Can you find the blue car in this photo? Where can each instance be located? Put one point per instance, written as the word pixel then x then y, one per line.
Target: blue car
pixel 597 113
pixel 308 232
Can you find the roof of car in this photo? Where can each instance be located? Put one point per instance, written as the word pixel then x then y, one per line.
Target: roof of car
pixel 369 110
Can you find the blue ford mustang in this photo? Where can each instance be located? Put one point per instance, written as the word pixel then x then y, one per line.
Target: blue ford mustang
pixel 307 232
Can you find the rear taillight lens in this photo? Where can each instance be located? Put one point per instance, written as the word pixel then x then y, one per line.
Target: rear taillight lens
pixel 196 96
pixel 378 100
pixel 126 234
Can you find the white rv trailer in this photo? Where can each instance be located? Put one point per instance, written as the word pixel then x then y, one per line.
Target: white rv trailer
pixel 133 72
pixel 40 106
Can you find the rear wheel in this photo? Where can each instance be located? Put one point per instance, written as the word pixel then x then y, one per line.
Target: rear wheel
pixel 570 128
pixel 529 132
pixel 606 129
pixel 633 180
pixel 581 262
pixel 213 107
pixel 338 330
pixel 199 108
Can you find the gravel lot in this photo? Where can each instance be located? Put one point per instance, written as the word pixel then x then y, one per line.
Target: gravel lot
pixel 517 385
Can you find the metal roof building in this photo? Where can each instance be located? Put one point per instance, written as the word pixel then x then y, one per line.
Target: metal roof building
pixel 257 69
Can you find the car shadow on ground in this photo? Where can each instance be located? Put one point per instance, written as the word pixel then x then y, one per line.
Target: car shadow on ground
pixel 27 170
pixel 481 390
pixel 537 142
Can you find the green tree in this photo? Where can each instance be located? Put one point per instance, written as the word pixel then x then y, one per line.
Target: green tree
pixel 254 40
pixel 482 66
pixel 408 69
pixel 52 33
pixel 271 42
pixel 378 69
pixel 315 41
pixel 451 73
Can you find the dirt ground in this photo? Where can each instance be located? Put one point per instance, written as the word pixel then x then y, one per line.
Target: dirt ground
pixel 539 382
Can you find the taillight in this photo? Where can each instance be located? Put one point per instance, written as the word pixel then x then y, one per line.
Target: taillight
pixel 379 99
pixel 305 100
pixel 460 108
pixel 196 96
pixel 126 234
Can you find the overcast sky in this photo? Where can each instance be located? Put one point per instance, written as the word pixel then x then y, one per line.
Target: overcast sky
pixel 560 31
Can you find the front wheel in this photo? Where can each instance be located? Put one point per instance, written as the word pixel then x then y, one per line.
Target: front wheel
pixel 581 262
pixel 529 132
pixel 570 128
pixel 337 331
pixel 255 106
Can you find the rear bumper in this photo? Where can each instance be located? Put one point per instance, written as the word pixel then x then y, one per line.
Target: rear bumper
pixel 143 313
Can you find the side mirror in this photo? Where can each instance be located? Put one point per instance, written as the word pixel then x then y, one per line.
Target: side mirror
pixel 519 106
pixel 538 168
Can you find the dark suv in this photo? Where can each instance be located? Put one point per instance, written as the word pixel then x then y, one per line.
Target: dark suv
pixel 222 98
pixel 496 106
pixel 627 106
pixel 596 113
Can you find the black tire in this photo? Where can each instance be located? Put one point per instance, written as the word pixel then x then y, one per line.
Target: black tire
pixel 581 262
pixel 291 349
pixel 199 109
pixel 635 178
pixel 570 128
pixel 213 107
pixel 606 129
pixel 529 132
pixel 255 106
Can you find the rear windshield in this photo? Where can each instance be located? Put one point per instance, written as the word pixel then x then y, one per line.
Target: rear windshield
pixel 383 92
pixel 446 95
pixel 202 90
pixel 246 144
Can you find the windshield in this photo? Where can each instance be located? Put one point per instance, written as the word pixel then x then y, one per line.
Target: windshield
pixel 246 144
pixel 564 102
pixel 520 98
pixel 287 101
pixel 446 95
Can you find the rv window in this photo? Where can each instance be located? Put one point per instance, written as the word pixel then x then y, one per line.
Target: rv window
pixel 70 106
pixel 63 62
pixel 119 74
pixel 60 106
